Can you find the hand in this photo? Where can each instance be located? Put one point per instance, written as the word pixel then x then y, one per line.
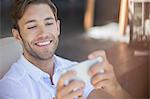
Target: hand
pixel 72 89
pixel 106 81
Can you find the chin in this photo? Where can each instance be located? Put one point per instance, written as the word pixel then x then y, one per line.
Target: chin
pixel 47 56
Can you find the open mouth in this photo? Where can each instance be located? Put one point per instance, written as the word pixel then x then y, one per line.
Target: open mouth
pixel 44 43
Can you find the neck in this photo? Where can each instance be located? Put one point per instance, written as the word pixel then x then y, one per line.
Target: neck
pixel 45 65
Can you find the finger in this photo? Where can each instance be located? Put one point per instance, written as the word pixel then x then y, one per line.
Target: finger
pixel 95 69
pixel 74 94
pixel 101 77
pixel 61 83
pixel 102 85
pixel 110 86
pixel 81 97
pixel 73 85
pixel 98 68
pixel 97 54
pixel 107 85
pixel 64 78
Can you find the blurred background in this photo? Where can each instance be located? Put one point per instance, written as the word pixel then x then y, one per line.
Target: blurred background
pixel 130 59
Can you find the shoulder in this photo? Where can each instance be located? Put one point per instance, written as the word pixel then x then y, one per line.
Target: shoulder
pixel 11 89
pixel 11 85
pixel 16 72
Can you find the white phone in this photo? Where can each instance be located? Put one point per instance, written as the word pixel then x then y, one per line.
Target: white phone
pixel 82 69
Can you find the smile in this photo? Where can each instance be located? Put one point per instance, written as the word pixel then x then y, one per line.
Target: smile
pixel 45 43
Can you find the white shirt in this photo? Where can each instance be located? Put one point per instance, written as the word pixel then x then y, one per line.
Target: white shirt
pixel 26 81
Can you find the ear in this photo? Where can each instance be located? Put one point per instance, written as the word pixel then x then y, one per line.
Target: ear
pixel 16 34
pixel 58 26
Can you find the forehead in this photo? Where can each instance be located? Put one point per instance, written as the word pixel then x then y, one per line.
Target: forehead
pixel 37 11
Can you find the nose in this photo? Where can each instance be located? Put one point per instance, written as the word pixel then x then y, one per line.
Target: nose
pixel 42 32
pixel 42 29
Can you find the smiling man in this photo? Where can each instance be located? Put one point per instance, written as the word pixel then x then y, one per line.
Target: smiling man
pixel 36 27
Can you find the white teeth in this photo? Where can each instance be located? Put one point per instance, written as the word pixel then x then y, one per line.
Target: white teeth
pixel 43 43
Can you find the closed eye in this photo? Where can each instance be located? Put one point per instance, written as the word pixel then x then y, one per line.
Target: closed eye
pixel 31 27
pixel 49 24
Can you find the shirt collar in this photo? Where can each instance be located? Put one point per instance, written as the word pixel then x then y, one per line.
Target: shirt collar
pixel 37 74
pixel 32 70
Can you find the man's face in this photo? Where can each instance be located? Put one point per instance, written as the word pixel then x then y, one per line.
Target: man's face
pixel 39 31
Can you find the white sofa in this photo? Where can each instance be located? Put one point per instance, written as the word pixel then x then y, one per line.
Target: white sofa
pixel 10 51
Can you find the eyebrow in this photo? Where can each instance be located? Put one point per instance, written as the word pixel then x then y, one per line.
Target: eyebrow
pixel 48 18
pixel 30 21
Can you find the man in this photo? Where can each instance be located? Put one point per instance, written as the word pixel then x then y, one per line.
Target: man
pixel 35 74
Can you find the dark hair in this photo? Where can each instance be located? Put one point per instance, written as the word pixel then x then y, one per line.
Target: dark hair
pixel 19 7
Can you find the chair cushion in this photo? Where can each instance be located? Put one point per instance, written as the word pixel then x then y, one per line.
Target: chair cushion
pixel 10 51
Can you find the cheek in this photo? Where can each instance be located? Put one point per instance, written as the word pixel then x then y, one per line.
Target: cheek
pixel 53 31
pixel 28 39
